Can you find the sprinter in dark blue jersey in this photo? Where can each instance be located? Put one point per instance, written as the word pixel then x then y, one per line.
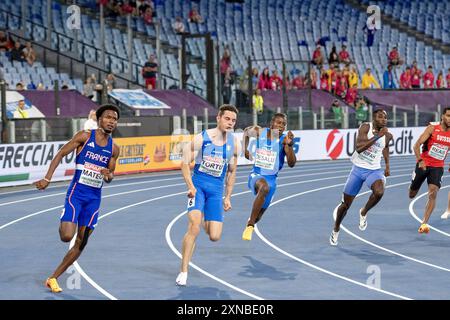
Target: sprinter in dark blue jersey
pixel 95 163
pixel 272 146
pixel 215 153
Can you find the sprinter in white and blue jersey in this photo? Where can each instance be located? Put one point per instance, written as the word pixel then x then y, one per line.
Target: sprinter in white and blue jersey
pixel 215 153
pixel 95 163
pixel 272 146
pixel 372 142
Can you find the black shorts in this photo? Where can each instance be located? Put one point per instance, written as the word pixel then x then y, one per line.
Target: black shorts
pixel 432 174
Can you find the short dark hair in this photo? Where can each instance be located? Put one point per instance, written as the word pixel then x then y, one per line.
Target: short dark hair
pixel 279 115
pixel 227 107
pixel 105 107
pixel 445 110
pixel 378 110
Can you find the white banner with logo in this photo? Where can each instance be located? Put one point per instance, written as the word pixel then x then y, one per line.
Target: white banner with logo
pixel 26 163
pixel 137 99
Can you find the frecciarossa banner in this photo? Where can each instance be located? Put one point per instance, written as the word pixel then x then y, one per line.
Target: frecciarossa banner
pixel 28 162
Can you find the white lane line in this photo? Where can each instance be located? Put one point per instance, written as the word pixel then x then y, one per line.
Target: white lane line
pixel 413 214
pixel 180 178
pixel 264 239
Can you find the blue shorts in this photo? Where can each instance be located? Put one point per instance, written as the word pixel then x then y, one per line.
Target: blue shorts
pixel 208 199
pixel 360 175
pixel 271 181
pixel 81 208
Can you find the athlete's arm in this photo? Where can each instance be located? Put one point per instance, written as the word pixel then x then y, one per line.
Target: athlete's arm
pixel 250 132
pixel 387 170
pixel 230 177
pixel 78 140
pixel 289 150
pixel 363 142
pixel 108 173
pixel 422 139
pixel 190 151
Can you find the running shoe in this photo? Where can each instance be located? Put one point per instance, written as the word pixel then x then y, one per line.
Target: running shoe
pixel 362 221
pixel 424 228
pixel 247 234
pixel 445 215
pixel 53 285
pixel 181 279
pixel 334 238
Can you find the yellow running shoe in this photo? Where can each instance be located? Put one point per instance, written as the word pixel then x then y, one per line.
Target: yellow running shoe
pixel 53 285
pixel 247 234
pixel 424 228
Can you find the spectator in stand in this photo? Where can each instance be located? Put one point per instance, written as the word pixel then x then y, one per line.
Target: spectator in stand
pixel 178 26
pixel 258 101
pixel 88 88
pixel 440 81
pixel 255 78
pixel 394 57
pixel 428 78
pixel 344 56
pixel 416 75
pixel 29 54
pixel 194 16
pixel 346 74
pixel 6 44
pixel 225 63
pixel 226 86
pixel 370 29
pixel 148 16
pixel 448 78
pixel 264 80
pixel 110 82
pixel 334 57
pixel 126 8
pixel 353 78
pixel 361 110
pixel 324 80
pixel 31 86
pixel 20 112
pixel 275 81
pixel 149 72
pixel 317 59
pixel 297 82
pixel 40 86
pixel 388 79
pixel 313 78
pixel 368 80
pixel 341 88
pixel 337 111
pixel 405 79
pixel 17 52
pixel 20 86
pixel 351 95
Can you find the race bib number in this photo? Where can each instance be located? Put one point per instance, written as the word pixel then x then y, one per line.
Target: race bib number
pixel 265 159
pixel 191 202
pixel 91 176
pixel 438 151
pixel 212 166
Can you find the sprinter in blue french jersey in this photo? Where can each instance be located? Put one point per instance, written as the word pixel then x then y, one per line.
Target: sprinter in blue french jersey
pixel 272 146
pixel 215 153
pixel 95 164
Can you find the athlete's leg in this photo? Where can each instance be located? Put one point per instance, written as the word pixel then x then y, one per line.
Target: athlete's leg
pixel 431 203
pixel 262 190
pixel 342 210
pixel 67 230
pixel 73 254
pixel 377 188
pixel 195 221
pixel 214 230
pixel 418 177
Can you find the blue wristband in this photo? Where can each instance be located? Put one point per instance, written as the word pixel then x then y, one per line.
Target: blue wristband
pixel 376 136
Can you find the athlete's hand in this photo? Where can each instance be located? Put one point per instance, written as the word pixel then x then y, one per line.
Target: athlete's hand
pixel 422 165
pixel 289 138
pixel 41 184
pixel 106 174
pixel 191 192
pixel 387 172
pixel 226 204
pixel 248 156
pixel 382 131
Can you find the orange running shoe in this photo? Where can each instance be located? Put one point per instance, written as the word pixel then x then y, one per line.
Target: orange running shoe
pixel 424 228
pixel 53 285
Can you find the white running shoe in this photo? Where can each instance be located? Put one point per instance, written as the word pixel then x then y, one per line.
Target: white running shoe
pixel 362 221
pixel 181 279
pixel 334 238
pixel 445 215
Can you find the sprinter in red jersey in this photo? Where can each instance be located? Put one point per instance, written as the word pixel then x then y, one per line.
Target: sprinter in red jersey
pixel 430 163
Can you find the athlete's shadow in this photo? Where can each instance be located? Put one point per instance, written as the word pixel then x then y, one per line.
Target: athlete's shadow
pixel 200 293
pixel 257 269
pixel 373 257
